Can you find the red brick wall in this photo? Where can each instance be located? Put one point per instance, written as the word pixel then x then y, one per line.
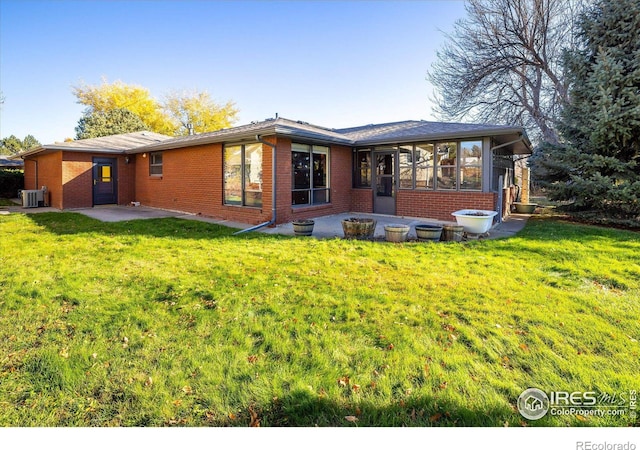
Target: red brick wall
pixel 339 184
pixel 362 200
pixel 49 173
pixel 439 205
pixel 77 179
pixel 192 181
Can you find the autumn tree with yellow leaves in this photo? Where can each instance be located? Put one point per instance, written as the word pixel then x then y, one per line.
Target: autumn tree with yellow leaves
pixel 174 116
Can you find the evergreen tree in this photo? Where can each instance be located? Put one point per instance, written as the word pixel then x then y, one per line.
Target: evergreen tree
pixel 597 164
pixel 107 123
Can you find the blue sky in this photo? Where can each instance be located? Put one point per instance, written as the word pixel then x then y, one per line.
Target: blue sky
pixel 331 63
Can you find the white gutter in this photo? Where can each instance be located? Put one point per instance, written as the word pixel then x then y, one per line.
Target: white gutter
pixel 273 188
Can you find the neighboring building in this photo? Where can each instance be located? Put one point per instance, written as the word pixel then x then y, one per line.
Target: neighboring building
pixel 9 163
pixel 286 169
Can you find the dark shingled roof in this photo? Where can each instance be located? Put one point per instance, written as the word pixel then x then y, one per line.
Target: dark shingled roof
pixel 368 135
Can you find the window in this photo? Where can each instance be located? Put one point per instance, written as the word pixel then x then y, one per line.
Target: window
pixel 362 168
pixel 406 166
pixel 446 156
pixel 424 166
pixel 243 175
pixel 155 164
pixel 105 174
pixel 310 172
pixel 471 165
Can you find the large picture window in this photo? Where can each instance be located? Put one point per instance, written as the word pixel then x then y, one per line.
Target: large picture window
pixel 310 172
pixel 243 175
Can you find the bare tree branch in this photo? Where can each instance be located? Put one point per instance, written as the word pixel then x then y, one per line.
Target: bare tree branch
pixel 503 63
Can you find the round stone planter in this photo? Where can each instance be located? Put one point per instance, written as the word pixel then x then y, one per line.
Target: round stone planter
pixel 525 208
pixel 358 228
pixel 453 233
pixel 428 232
pixel 303 227
pixel 396 232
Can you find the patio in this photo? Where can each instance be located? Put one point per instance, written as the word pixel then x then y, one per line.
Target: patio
pixel 326 227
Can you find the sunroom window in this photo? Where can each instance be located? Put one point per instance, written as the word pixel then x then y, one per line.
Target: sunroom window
pixel 446 156
pixel 471 165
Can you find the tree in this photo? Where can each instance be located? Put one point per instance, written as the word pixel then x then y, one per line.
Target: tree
pixel 199 111
pixel 12 145
pixel 107 123
pixel 170 117
pixel 503 64
pixel 118 95
pixel 597 164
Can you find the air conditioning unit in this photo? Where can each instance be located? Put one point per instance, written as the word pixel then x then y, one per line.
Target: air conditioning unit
pixel 32 198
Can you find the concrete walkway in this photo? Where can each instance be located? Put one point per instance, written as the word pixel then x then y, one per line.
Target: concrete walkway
pixel 326 227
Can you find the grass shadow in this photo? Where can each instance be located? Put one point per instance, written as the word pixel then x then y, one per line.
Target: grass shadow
pixel 69 223
pixel 303 408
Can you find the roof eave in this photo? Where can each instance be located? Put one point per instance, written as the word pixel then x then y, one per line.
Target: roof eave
pixel 439 136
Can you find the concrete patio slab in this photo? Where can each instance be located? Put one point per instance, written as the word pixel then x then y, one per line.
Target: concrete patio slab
pixel 329 227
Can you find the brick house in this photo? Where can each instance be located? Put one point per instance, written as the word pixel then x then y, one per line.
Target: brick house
pixel 410 168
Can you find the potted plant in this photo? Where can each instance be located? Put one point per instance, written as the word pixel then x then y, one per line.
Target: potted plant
pixel 358 228
pixel 396 232
pixel 303 227
pixel 428 232
pixel 475 220
pixel 525 208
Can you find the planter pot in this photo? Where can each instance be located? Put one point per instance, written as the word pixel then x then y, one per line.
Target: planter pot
pixel 396 233
pixel 303 227
pixel 428 232
pixel 525 208
pixel 475 220
pixel 357 228
pixel 453 233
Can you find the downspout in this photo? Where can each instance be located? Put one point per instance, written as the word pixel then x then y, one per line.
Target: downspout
pixel 273 189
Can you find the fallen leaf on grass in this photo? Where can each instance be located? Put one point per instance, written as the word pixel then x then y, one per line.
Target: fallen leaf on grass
pixel 524 347
pixel 435 417
pixel 64 353
pixel 187 390
pixel 581 418
pixel 255 421
pixel 252 359
pixel 351 418
pixel 344 381
pixel 443 385
pixel 355 387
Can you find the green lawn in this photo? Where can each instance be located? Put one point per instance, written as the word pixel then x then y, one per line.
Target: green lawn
pixel 174 322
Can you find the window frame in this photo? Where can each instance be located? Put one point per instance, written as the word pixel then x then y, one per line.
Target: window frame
pixel 153 164
pixel 431 166
pixel 311 150
pixel 243 174
pixel 357 178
